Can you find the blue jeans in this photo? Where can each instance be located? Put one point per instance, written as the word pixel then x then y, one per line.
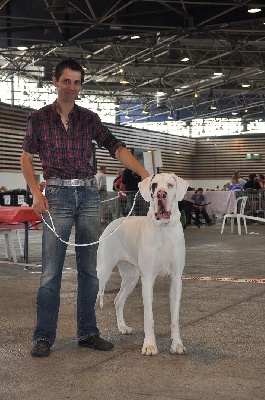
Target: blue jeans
pixel 69 206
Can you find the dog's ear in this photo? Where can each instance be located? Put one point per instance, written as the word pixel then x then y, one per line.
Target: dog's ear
pixel 145 188
pixel 182 187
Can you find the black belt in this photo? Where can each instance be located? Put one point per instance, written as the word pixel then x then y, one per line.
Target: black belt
pixel 71 182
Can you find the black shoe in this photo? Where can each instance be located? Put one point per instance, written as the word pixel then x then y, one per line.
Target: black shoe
pixel 97 343
pixel 41 349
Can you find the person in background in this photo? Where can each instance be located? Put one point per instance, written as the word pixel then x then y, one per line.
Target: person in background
pixel 120 188
pixel 198 201
pixel 3 189
pixel 261 181
pixel 101 179
pixel 235 185
pixel 102 188
pixel 62 133
pixel 117 181
pixel 42 187
pixel 130 179
pixel 252 183
pixel 237 176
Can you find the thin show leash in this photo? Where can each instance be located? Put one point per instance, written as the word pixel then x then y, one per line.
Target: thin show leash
pixel 52 228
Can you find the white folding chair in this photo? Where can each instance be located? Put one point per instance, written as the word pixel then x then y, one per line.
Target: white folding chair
pixel 9 244
pixel 237 215
pixel 11 232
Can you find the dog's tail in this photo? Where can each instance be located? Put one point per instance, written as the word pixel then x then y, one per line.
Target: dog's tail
pixel 103 274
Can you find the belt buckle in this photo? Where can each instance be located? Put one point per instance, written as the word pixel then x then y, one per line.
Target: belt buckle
pixel 75 182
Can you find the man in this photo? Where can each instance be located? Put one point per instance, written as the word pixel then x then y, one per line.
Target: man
pixel 130 180
pixel 198 201
pixel 62 134
pixel 252 182
pixel 102 188
pixel 101 179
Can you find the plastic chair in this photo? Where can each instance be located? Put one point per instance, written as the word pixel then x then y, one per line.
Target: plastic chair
pixel 237 215
pixel 11 232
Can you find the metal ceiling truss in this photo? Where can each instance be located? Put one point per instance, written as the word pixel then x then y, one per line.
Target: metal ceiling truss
pixel 214 37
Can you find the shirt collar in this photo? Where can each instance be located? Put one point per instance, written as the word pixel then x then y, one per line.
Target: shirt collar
pixel 54 110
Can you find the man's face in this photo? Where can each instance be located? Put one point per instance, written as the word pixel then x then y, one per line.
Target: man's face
pixel 69 85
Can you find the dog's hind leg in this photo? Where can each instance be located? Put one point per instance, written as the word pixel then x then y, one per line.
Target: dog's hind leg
pixel 130 275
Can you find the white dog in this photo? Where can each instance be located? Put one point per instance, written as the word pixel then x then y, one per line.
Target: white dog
pixel 148 246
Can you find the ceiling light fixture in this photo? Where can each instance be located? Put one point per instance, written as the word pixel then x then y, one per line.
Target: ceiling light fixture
pixel 213 106
pixel 160 93
pixel 115 23
pixel 124 81
pixel 253 10
pixel 185 59
pixel 245 85
pixel 60 7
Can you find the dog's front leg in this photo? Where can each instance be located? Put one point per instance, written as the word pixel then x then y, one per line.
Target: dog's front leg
pixel 149 346
pixel 175 295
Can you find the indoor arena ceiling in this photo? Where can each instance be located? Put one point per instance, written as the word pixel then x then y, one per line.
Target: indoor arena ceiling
pixel 196 59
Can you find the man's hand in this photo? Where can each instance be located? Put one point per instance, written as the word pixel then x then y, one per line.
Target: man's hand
pixel 40 203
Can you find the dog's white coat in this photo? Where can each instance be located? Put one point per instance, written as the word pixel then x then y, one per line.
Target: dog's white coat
pixel 147 247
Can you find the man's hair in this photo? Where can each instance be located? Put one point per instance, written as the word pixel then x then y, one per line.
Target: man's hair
pixel 69 63
pixel 102 168
pixel 200 190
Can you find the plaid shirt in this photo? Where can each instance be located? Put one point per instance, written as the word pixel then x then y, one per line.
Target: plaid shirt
pixel 65 153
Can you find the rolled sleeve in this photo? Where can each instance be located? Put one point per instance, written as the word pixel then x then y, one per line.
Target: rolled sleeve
pixel 105 138
pixel 30 143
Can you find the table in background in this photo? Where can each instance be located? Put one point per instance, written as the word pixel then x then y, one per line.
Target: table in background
pixel 222 202
pixel 15 214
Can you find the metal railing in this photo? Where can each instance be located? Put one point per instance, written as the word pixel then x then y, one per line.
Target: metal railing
pixel 255 205
pixel 119 205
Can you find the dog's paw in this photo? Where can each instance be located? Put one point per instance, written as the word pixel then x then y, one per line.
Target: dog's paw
pixel 178 349
pixel 149 349
pixel 125 330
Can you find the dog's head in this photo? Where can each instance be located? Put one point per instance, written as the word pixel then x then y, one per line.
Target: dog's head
pixel 163 191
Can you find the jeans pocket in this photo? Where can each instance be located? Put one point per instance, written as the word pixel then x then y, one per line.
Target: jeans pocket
pixel 50 190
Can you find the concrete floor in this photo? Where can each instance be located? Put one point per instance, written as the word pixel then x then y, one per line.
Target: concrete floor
pixel 222 326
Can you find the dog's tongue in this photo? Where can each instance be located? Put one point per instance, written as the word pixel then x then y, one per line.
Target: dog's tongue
pixel 162 213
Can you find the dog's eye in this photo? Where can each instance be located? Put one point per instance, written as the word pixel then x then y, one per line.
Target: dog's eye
pixel 170 186
pixel 154 186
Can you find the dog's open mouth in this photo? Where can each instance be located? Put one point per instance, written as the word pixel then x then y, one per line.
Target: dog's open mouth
pixel 162 213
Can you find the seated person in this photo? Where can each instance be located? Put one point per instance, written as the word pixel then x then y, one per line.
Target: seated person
pixel 186 207
pixel 235 185
pixel 252 183
pixel 198 201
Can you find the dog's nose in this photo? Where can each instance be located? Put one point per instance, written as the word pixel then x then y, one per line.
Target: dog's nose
pixel 161 194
